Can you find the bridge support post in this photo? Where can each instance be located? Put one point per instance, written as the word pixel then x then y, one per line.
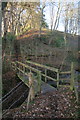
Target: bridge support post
pixel 57 79
pixel 72 77
pixel 31 95
pixel 45 75
pixel 39 82
pixel 24 73
pixel 19 70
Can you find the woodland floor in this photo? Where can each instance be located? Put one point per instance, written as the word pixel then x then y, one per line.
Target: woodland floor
pixel 55 104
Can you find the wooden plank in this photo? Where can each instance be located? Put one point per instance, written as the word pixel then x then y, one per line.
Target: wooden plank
pixel 23 80
pixel 29 67
pixel 72 76
pixel 36 70
pixel 64 85
pixel 48 77
pixel 39 82
pixel 22 71
pixel 57 79
pixel 43 66
pixel 64 79
pixel 41 74
pixel 66 72
pixel 13 63
pixel 45 75
pixel 13 66
pixel 45 87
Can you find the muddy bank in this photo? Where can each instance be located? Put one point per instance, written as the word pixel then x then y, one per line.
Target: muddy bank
pixel 13 96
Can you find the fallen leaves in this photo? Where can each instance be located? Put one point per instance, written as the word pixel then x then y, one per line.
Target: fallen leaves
pixel 56 104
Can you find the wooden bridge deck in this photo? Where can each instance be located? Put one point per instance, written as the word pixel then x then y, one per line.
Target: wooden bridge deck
pixel 45 87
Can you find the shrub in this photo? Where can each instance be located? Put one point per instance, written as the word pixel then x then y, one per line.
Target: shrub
pixel 71 57
pixel 10 37
pixel 59 41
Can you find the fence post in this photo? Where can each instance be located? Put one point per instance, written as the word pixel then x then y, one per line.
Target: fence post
pixel 19 70
pixel 57 79
pixel 17 65
pixel 30 70
pixel 39 82
pixel 31 90
pixel 45 75
pixel 76 94
pixel 72 76
pixel 24 73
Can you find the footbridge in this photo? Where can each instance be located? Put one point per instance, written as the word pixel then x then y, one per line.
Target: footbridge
pixel 43 74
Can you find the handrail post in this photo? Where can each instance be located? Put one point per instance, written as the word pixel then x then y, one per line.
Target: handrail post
pixel 45 75
pixel 72 77
pixel 30 70
pixel 17 65
pixel 39 82
pixel 24 72
pixel 19 70
pixel 31 95
pixel 57 79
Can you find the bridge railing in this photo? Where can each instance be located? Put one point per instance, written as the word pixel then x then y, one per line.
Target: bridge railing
pixel 23 70
pixel 32 68
pixel 69 73
pixel 20 67
pixel 71 79
pixel 46 68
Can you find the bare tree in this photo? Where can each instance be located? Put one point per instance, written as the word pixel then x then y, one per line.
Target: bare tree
pixel 57 15
pixel 52 5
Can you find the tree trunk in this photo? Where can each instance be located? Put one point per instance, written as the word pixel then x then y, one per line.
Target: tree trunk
pixel 0 18
pixel 57 16
pixel 17 51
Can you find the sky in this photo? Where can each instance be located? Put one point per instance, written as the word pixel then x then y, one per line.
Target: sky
pixel 47 13
pixel 48 19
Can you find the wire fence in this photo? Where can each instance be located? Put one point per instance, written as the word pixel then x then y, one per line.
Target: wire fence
pixel 11 94
pixel 12 90
pixel 4 113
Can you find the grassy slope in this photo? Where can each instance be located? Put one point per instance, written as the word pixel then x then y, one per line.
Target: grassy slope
pixel 50 45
